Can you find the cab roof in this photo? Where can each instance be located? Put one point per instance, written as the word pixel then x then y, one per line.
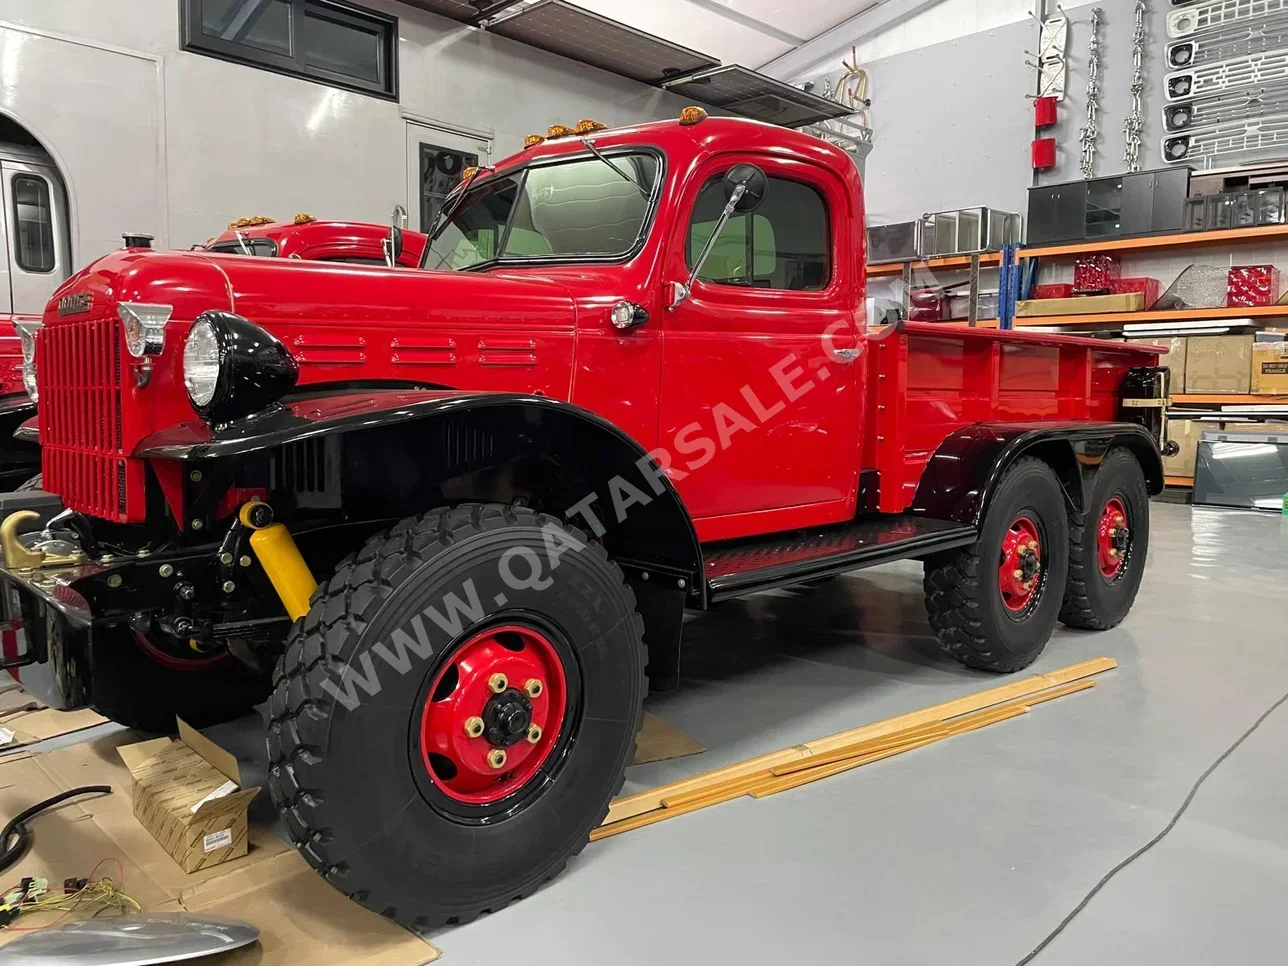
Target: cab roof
pixel 711 135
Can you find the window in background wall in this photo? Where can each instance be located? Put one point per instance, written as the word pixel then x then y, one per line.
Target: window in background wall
pixel 440 172
pixel 322 40
pixel 35 220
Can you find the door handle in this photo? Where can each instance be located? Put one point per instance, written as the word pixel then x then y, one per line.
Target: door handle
pixel 845 355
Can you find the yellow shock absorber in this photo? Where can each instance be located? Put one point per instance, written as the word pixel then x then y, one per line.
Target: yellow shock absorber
pixel 280 558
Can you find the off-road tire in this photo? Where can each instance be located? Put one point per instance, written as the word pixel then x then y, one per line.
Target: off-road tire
pixel 132 688
pixel 962 596
pixel 351 798
pixel 1091 601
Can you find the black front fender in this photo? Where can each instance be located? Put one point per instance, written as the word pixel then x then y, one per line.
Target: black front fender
pixel 964 472
pixel 657 532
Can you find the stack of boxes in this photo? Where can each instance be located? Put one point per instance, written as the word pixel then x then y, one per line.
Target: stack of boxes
pixel 1252 364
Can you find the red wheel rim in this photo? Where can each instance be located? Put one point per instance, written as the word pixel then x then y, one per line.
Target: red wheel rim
pixel 493 714
pixel 1019 576
pixel 1113 539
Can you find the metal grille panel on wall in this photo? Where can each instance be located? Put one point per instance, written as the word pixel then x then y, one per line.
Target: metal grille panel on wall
pixel 754 95
pixel 580 35
pixel 1227 93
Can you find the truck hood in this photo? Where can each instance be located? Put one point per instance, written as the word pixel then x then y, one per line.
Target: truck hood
pixel 344 324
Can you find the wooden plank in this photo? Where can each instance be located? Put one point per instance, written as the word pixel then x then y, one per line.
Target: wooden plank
pixel 1171 315
pixel 972 723
pixel 1178 481
pixel 1228 399
pixel 1197 239
pixel 630 806
pixel 860 748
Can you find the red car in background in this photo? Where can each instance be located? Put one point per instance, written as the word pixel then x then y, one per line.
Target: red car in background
pixel 304 238
pixel 357 243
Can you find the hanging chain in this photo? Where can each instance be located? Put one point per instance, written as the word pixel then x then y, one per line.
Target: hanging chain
pixel 1135 125
pixel 1090 134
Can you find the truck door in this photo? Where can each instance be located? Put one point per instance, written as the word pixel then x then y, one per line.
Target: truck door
pixel 35 222
pixel 759 388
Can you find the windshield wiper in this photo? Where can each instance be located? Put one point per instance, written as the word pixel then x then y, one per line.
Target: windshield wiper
pixel 590 145
pixel 445 213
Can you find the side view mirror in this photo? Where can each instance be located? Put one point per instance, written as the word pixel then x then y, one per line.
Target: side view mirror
pixel 753 184
pixel 392 244
pixel 744 190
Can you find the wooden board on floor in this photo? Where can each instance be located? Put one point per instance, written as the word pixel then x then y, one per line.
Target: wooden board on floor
pixel 731 781
pixel 659 740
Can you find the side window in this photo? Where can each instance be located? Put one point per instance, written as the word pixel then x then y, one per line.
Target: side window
pixel 785 244
pixel 34 216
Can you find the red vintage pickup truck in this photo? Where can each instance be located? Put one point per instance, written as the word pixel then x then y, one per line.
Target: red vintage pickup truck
pixel 449 519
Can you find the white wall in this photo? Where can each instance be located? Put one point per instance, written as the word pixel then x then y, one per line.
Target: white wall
pixel 235 140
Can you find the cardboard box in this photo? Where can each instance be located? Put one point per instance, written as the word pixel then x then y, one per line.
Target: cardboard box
pixel 1173 357
pixel 188 794
pixel 1219 363
pixel 1270 368
pixel 1186 433
pixel 1085 305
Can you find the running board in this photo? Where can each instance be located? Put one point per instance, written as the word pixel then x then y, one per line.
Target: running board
pixel 744 567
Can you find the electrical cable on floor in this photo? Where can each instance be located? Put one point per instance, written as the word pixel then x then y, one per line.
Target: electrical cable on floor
pixel 15 837
pixel 1051 936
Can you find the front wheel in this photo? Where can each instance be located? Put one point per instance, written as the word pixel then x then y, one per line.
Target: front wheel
pixel 1107 550
pixel 455 712
pixel 995 604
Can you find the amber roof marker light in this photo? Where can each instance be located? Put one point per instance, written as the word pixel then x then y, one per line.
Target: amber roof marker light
pixel 692 115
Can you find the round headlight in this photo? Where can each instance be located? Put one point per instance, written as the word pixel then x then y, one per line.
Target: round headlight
pixel 27 335
pixel 201 364
pixel 233 368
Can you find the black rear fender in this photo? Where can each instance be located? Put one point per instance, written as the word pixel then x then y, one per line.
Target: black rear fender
pixel 964 472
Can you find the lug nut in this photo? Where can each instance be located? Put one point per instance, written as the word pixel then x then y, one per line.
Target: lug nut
pixel 166 570
pixel 473 727
pixel 1019 574
pixel 1033 544
pixel 498 683
pixel 534 734
pixel 225 558
pixel 1113 551
pixel 229 586
pixel 244 561
pixel 533 687
pixel 496 758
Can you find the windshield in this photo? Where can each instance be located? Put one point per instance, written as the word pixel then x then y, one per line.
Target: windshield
pixel 575 209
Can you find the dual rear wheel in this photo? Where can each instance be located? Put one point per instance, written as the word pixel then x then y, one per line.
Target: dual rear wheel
pixel 994 605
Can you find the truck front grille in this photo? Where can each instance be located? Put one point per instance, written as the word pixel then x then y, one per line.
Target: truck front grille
pixel 80 415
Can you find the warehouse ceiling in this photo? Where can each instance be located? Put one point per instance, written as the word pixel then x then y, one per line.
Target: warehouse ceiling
pixel 776 36
pixel 748 32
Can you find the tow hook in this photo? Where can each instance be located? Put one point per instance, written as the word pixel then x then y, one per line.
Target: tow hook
pixel 18 556
pixel 280 558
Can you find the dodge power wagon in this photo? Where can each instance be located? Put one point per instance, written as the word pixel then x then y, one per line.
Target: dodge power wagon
pixel 447 520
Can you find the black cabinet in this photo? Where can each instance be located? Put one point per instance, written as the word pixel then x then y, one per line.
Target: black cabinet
pixel 1139 203
pixel 1057 213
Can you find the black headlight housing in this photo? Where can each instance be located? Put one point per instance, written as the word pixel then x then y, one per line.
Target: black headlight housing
pixel 254 368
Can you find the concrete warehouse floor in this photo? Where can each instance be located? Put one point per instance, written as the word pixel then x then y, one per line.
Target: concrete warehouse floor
pixel 971 850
